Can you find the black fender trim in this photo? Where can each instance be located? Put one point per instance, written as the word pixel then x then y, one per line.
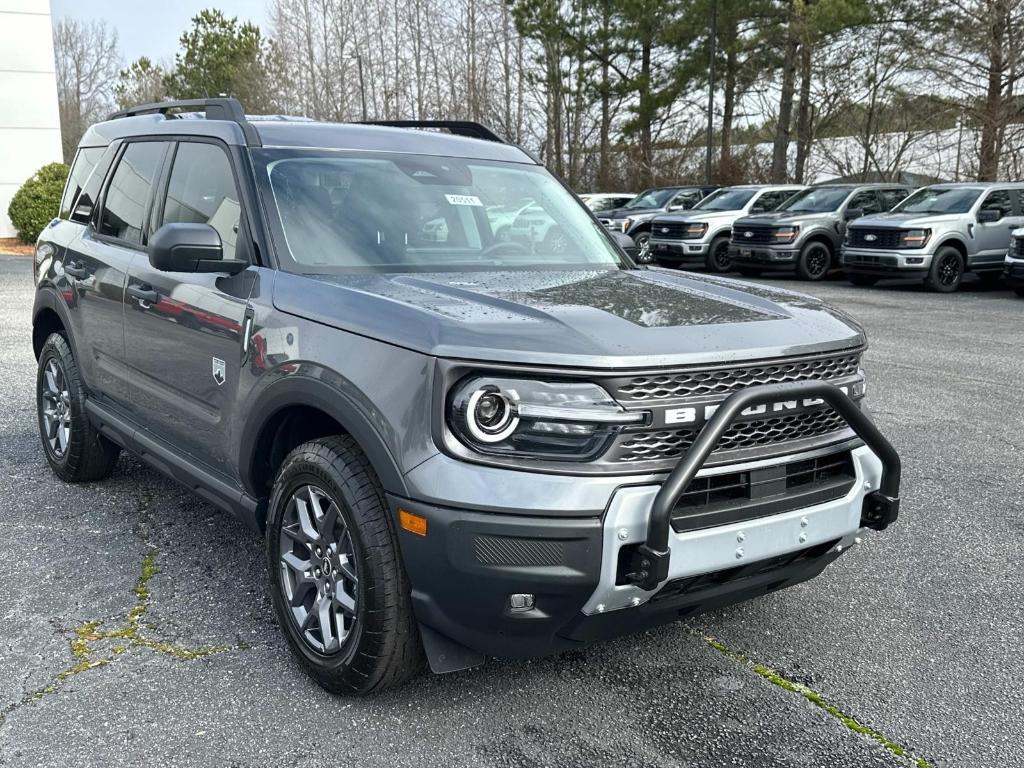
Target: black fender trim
pixel 302 390
pixel 208 485
pixel 48 298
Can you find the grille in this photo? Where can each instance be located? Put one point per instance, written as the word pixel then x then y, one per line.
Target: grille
pixel 669 230
pixel 757 235
pixel 866 259
pixel 723 382
pixel 664 445
pixel 883 238
pixel 1018 247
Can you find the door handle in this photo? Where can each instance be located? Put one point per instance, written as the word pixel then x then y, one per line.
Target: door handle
pixel 145 294
pixel 76 270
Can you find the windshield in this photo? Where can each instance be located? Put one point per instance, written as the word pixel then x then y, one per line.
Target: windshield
pixel 816 200
pixel 651 198
pixel 939 200
pixel 725 200
pixel 345 211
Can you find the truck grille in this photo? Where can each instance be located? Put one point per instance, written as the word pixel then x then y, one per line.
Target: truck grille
pixel 753 235
pixel 664 445
pixel 669 230
pixel 703 383
pixel 1018 247
pixel 864 237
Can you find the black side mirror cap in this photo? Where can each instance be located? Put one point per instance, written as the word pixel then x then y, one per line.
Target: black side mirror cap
pixel 626 243
pixel 190 248
pixel 988 215
pixel 853 213
pixel 82 213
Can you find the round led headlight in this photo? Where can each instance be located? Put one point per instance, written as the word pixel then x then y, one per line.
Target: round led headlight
pixel 491 414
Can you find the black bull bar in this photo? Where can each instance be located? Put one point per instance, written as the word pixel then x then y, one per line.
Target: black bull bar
pixel 649 562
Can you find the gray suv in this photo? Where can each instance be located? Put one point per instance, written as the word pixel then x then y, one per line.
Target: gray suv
pixel 937 234
pixel 806 232
pixel 455 446
pixel 700 237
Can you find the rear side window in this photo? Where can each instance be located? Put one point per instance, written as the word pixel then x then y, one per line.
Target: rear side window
pixel 82 167
pixel 202 191
pixel 890 197
pixel 124 207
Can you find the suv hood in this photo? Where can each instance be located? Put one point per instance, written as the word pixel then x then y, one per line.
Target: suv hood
pixel 708 216
pixel 776 218
pixel 903 220
pixel 590 319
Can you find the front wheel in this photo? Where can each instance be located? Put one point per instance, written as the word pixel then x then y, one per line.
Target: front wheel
pixel 75 450
pixel 946 271
pixel 336 577
pixel 643 247
pixel 718 258
pixel 814 262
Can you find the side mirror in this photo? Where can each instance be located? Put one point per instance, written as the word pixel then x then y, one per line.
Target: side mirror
pixel 190 248
pixel 626 243
pixel 853 213
pixel 82 212
pixel 989 215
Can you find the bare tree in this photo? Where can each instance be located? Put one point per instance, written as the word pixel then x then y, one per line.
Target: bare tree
pixel 87 64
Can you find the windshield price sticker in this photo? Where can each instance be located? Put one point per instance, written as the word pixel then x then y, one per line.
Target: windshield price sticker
pixel 464 200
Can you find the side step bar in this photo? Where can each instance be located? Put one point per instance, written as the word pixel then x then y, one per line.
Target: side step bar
pixel 649 562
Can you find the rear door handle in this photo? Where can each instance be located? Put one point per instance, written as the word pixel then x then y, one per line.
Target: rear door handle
pixel 76 270
pixel 145 294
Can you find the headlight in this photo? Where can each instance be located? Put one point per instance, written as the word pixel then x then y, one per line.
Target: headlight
pixel 567 421
pixel 914 238
pixel 786 234
pixel 696 230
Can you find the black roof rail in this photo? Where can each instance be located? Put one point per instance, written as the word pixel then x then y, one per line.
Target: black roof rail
pixel 220 108
pixel 458 127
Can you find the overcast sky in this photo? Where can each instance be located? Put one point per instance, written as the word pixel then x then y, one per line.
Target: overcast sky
pixel 149 28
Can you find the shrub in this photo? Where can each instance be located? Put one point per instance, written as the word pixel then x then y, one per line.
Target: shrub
pixel 38 201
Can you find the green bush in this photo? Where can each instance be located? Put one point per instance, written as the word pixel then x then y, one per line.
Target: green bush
pixel 38 201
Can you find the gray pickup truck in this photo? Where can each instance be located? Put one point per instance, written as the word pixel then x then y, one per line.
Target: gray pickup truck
pixel 806 232
pixel 937 234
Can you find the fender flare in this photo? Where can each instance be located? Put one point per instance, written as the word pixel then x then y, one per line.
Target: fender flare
pixel 307 391
pixel 48 298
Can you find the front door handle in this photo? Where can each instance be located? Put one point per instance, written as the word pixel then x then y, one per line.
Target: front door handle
pixel 76 270
pixel 145 294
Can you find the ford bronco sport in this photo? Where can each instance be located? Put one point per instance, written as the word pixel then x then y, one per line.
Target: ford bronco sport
pixel 937 234
pixel 455 446
pixel 805 233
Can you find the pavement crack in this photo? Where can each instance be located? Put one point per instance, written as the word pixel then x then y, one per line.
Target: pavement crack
pixel 93 646
pixel 777 679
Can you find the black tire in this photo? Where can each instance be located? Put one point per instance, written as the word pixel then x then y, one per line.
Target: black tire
pixel 863 280
pixel 718 259
pixel 749 271
pixel 382 648
pixel 946 271
pixel 642 240
pixel 814 262
pixel 75 450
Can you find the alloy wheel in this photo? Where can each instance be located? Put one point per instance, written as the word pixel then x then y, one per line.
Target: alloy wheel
pixel 643 245
pixel 319 574
pixel 56 408
pixel 817 261
pixel 949 269
pixel 723 263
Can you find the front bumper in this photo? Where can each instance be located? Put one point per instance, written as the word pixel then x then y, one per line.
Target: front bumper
pixel 863 261
pixel 584 573
pixel 1013 272
pixel 679 251
pixel 764 256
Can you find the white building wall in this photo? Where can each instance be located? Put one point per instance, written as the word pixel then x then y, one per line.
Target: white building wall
pixel 29 120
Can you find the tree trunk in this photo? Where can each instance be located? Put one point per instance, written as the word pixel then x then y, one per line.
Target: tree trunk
pixel 729 42
pixel 804 114
pixel 780 147
pixel 604 152
pixel 645 110
pixel 993 118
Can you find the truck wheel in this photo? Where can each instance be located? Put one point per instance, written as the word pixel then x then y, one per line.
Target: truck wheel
pixel 865 280
pixel 946 271
pixel 643 247
pixel 718 258
pixel 337 582
pixel 814 262
pixel 75 450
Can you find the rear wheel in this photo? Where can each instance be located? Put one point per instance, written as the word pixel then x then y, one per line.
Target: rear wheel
pixel 75 450
pixel 946 271
pixel 337 582
pixel 864 280
pixel 814 262
pixel 718 259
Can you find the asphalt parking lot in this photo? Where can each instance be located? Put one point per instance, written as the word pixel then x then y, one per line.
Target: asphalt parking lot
pixel 137 627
